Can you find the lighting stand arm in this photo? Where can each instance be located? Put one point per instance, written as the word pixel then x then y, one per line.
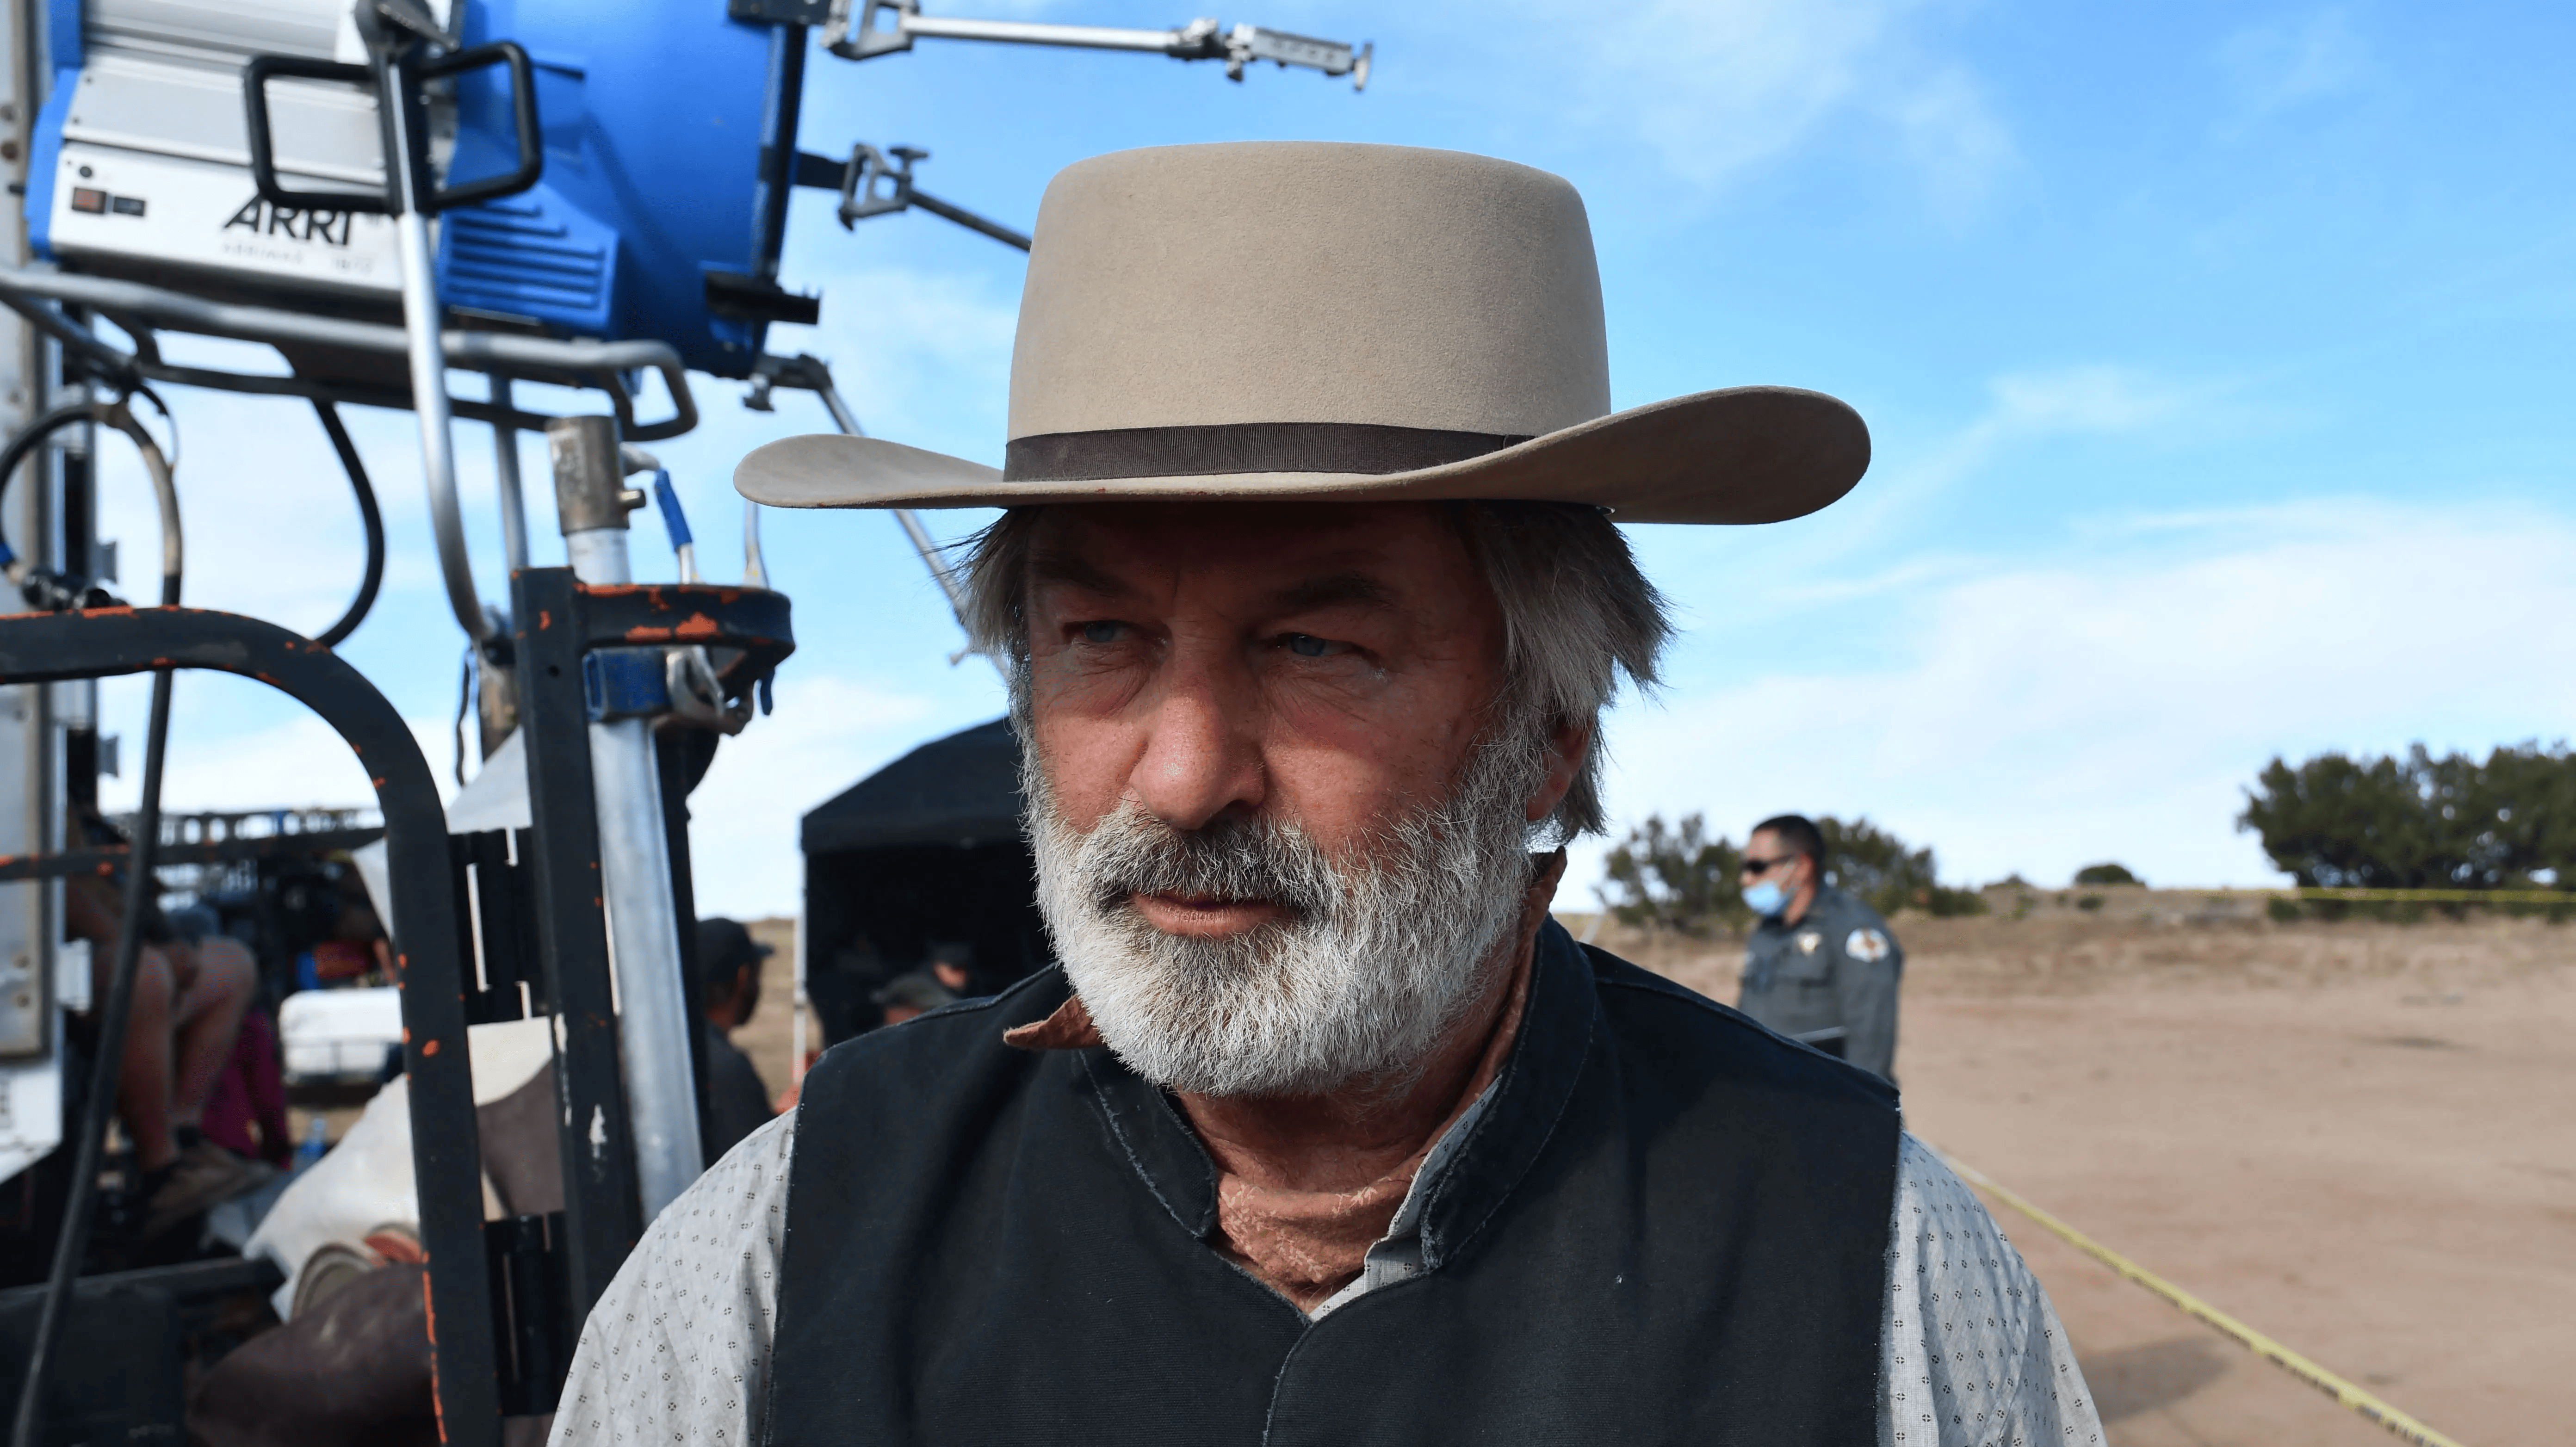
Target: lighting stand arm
pixel 853 33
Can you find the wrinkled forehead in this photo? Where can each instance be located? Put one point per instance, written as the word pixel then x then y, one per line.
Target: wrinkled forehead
pixel 1406 556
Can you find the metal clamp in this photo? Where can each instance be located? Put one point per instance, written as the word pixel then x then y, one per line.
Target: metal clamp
pixel 679 683
pixel 860 180
pixel 870 186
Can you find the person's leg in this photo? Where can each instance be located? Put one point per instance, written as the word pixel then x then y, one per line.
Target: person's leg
pixel 208 1016
pixel 143 1086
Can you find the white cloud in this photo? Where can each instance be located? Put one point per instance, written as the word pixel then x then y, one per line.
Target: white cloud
pixel 295 763
pixel 828 734
pixel 1959 146
pixel 2112 701
pixel 2280 64
pixel 2089 399
pixel 1722 88
pixel 924 357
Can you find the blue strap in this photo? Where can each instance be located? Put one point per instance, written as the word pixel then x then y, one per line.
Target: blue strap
pixel 672 518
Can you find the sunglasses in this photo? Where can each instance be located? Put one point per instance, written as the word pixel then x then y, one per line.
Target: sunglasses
pixel 1765 866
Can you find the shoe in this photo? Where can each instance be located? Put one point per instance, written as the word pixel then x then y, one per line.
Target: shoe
pixel 205 1175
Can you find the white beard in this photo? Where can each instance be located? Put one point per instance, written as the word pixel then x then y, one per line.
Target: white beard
pixel 1381 952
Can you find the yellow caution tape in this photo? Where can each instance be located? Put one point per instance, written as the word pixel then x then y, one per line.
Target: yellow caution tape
pixel 2262 1346
pixel 2566 898
pixel 2431 896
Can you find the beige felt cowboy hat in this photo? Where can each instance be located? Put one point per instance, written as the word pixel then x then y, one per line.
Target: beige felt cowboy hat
pixel 1296 320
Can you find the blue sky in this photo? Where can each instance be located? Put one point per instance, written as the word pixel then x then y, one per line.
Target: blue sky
pixel 2215 356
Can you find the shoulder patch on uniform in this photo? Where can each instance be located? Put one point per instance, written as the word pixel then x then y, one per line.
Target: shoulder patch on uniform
pixel 1867 946
pixel 1809 942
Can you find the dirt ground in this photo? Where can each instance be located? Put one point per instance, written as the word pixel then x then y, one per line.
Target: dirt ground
pixel 2356 1138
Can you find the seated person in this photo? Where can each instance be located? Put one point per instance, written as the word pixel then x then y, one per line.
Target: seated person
pixel 189 995
pixel 737 1102
pixel 914 993
pixel 953 965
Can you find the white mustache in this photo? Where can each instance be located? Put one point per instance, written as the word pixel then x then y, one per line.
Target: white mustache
pixel 1131 852
pixel 1381 952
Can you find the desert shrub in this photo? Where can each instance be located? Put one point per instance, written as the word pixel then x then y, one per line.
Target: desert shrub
pixel 2106 874
pixel 1675 878
pixel 1874 864
pixel 1681 878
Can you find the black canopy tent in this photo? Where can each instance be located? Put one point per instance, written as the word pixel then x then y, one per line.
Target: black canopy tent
pixel 922 853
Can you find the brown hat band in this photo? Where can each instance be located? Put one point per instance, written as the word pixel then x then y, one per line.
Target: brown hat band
pixel 1361 447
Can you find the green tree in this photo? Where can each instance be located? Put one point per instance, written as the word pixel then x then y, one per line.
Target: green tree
pixel 1678 877
pixel 1865 860
pixel 2106 874
pixel 2419 822
pixel 1675 878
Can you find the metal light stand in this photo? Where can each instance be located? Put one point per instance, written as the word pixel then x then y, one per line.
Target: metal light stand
pixel 633 847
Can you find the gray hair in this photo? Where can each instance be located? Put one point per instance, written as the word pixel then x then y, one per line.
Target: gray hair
pixel 1577 613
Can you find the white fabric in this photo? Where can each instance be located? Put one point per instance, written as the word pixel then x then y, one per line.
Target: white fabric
pixel 497 796
pixel 1973 1354
pixel 678 1349
pixel 365 1184
pixel 330 1033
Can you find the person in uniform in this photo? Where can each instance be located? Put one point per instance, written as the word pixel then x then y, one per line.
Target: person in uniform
pixel 1309 601
pixel 737 1101
pixel 1821 967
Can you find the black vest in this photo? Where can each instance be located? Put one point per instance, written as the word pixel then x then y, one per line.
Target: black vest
pixel 1669 1225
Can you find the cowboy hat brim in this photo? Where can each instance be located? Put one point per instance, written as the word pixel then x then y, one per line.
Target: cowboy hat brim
pixel 1740 455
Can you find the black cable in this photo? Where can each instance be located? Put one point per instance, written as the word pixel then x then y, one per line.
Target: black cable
pixel 25 442
pixel 118 417
pixel 464 702
pixel 334 635
pixel 169 419
pixel 73 1243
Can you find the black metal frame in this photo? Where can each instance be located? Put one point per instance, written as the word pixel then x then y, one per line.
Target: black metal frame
pixel 556 621
pixel 52 647
pixel 506 1299
pixel 107 859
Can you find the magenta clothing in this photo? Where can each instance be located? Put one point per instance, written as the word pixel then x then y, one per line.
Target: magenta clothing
pixel 250 1094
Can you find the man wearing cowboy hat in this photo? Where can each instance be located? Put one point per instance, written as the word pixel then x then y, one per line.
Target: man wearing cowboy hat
pixel 1322 1131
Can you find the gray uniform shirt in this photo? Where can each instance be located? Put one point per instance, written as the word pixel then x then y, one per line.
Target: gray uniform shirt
pixel 1829 980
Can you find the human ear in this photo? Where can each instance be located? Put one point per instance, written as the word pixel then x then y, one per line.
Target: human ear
pixel 1567 747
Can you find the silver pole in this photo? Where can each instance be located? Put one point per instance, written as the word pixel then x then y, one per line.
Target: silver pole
pixel 429 379
pixel 505 465
pixel 653 1009
pixel 1021 32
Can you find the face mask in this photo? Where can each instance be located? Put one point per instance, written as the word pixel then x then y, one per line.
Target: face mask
pixel 1767 899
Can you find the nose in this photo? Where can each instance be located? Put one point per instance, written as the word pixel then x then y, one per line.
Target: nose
pixel 1200 763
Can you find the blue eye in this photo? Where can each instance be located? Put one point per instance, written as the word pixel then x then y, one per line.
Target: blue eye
pixel 1101 632
pixel 1306 645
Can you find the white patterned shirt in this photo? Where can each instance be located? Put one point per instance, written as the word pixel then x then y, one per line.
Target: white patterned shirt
pixel 677 1351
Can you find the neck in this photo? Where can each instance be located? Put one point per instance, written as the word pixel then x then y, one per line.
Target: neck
pixel 1348 1137
pixel 1802 901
